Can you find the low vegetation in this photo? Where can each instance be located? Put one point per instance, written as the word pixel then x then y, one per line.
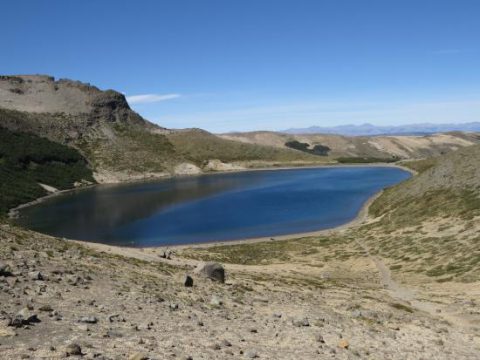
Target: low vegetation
pixel 198 146
pixel 27 160
pixel 318 149
pixel 366 160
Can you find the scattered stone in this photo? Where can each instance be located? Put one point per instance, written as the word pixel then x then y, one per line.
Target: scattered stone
pixel 83 327
pixel 173 306
pixel 251 354
pixel 116 318
pixel 138 356
pixel 320 338
pixel 216 301
pixel 36 275
pixel 188 281
pixel 226 343
pixel 45 308
pixel 215 346
pixel 356 314
pixel 113 334
pixel 73 349
pixel 167 255
pixel 12 281
pixel 301 322
pixel 213 271
pixel 88 320
pixel 343 343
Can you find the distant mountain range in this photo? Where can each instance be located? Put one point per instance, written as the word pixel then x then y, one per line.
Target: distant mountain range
pixel 372 130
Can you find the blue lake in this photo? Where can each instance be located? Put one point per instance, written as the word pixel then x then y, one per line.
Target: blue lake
pixel 212 207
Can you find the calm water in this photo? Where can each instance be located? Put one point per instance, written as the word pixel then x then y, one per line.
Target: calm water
pixel 213 207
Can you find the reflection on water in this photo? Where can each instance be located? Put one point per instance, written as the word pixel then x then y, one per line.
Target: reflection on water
pixel 209 208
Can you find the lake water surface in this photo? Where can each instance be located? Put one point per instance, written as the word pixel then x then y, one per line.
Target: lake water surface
pixel 212 207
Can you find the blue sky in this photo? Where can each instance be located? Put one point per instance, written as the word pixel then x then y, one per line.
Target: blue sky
pixel 226 65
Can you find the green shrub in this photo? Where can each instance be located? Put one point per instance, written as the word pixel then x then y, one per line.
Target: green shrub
pixel 320 150
pixel 26 160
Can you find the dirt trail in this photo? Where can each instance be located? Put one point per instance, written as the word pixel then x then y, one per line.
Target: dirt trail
pixel 409 296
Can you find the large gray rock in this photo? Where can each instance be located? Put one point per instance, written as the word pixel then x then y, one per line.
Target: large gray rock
pixel 213 271
pixel 24 317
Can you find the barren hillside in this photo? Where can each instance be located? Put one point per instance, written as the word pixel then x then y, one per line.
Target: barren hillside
pixel 383 147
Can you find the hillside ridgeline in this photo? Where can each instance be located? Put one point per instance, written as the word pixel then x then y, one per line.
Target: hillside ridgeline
pixel 118 143
pixel 363 148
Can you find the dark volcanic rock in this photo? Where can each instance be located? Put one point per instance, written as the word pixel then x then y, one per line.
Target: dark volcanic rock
pixel 188 281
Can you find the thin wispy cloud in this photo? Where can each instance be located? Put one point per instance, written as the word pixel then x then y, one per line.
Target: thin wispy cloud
pixel 450 51
pixel 150 98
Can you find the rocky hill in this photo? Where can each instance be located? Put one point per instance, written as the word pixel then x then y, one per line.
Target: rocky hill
pixel 119 143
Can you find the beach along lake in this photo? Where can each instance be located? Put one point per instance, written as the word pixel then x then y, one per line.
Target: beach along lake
pixel 217 207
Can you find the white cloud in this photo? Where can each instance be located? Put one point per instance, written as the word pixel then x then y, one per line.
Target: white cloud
pixel 150 98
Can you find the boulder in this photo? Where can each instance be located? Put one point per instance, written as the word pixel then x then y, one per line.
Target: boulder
pixel 213 271
pixel 24 317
